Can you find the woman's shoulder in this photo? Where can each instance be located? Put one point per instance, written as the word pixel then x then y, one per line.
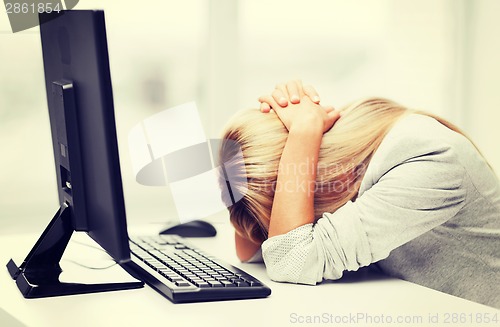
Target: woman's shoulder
pixel 414 138
pixel 416 127
pixel 415 135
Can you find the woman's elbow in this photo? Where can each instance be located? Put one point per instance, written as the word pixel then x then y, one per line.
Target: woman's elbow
pixel 293 257
pixel 292 271
pixel 279 274
pixel 287 275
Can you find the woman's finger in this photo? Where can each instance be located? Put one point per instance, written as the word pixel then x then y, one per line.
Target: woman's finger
pixel 300 87
pixel 332 117
pixel 270 101
pixel 280 97
pixel 265 107
pixel 311 93
pixel 294 90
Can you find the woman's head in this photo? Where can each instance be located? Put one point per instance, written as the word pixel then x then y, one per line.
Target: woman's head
pixel 345 152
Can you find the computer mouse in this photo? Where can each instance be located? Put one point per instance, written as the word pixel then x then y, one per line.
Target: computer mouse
pixel 193 228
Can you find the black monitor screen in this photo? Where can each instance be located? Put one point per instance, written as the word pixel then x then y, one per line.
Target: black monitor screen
pixel 80 101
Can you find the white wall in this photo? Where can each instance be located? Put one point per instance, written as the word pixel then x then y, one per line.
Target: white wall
pixel 482 111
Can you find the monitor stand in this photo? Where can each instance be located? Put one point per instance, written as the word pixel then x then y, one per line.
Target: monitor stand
pixel 38 275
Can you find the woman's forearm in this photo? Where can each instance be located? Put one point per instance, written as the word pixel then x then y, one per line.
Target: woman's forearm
pixel 293 203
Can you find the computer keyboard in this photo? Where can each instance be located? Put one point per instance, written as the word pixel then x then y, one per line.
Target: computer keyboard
pixel 183 273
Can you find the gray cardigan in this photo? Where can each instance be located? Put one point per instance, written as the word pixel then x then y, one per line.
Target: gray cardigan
pixel 428 211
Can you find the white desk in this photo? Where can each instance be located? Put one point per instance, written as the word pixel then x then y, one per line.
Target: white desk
pixel 362 296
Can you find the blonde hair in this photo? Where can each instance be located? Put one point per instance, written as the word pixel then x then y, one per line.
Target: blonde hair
pixel 346 150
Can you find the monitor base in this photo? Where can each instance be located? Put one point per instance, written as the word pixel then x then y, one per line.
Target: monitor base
pixel 38 275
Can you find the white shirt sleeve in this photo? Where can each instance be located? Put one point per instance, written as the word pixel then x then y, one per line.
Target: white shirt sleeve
pixel 409 199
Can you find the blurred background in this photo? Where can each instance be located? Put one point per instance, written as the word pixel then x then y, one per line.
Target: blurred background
pixel 436 55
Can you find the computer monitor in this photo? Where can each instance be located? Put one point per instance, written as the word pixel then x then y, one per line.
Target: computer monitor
pixel 80 102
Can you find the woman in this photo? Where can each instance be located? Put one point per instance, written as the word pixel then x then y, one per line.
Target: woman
pixel 333 190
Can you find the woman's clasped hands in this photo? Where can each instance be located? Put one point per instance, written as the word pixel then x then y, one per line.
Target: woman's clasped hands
pixel 297 106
